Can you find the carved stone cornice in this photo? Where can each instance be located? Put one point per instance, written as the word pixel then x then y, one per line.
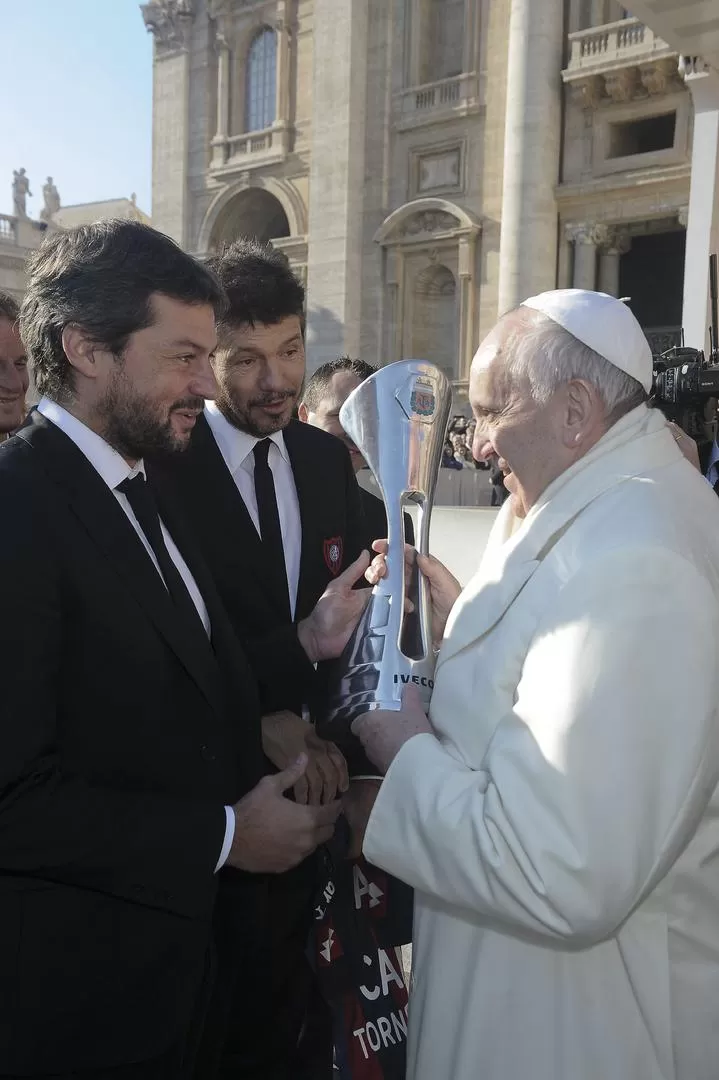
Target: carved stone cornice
pixel 429 221
pixel 588 93
pixel 660 76
pixel 169 21
pixel 580 232
pixel 219 8
pixel 607 238
pixel 624 85
pixel 634 82
pixel 611 239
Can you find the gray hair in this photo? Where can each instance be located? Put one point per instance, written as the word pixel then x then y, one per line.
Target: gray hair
pixel 9 307
pixel 547 356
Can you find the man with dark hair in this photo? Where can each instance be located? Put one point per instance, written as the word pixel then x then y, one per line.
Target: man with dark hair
pixel 131 766
pixel 13 368
pixel 324 395
pixel 265 491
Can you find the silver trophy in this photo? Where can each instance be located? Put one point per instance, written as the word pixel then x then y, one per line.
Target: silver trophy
pixel 398 420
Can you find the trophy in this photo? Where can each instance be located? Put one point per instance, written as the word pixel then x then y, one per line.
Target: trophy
pixel 397 418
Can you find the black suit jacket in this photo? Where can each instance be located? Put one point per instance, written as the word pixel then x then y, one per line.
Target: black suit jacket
pixel 332 524
pixel 375 517
pixel 333 535
pixel 121 742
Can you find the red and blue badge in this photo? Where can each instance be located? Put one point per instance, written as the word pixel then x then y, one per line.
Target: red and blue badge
pixel 333 554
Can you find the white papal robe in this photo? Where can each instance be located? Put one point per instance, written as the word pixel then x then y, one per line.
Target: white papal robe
pixel 562 828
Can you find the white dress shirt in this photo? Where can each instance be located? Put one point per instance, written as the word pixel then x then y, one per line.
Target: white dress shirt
pixel 237 448
pixel 113 469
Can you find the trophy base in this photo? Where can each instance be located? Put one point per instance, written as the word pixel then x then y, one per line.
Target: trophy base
pixel 368 693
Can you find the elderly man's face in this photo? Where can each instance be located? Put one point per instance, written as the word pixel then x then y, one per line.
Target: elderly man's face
pixel 512 425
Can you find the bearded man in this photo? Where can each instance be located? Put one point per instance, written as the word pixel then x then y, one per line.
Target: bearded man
pixel 132 786
pixel 557 813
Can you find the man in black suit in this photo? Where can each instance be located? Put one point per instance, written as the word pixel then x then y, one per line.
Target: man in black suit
pixel 131 765
pixel 322 398
pixel 276 510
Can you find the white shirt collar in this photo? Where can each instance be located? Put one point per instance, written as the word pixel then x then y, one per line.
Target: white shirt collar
pixel 236 445
pixel 111 466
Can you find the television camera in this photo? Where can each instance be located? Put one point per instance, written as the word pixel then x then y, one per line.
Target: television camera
pixel 685 381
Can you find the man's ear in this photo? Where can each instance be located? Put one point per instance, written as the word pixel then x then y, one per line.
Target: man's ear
pixel 303 412
pixel 579 412
pixel 80 350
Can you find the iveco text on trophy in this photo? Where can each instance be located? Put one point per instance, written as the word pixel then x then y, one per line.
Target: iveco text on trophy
pixel 398 420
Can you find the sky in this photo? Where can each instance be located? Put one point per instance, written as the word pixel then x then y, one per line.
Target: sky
pixel 76 93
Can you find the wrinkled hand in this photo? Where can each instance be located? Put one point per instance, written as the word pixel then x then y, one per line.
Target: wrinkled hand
pixel 327 629
pixel 285 736
pixel 443 586
pixel 273 834
pixel 686 444
pixel 383 734
pixel 357 805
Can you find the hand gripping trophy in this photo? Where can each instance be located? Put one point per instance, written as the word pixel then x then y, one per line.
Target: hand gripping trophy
pixel 398 419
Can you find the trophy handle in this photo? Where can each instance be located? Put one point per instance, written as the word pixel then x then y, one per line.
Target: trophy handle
pixel 423 602
pixel 394 583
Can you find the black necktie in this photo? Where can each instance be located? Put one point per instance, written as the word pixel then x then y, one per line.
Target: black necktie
pixel 269 518
pixel 140 497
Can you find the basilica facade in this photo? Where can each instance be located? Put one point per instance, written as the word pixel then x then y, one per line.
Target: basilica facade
pixel 426 164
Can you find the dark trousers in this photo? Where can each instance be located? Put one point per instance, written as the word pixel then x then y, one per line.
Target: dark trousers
pixel 176 1064
pixel 168 1067
pixel 265 1020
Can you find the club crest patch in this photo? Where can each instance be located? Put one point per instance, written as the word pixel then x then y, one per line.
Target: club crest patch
pixel 422 401
pixel 333 554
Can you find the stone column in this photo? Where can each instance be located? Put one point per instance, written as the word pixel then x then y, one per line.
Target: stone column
pixel 471 36
pixel 585 256
pixel 466 303
pixel 219 142
pixel 598 12
pixel 337 175
pixel 703 218
pixel 613 244
pixel 394 271
pixel 609 271
pixel 282 92
pixel 528 238
pixel 171 23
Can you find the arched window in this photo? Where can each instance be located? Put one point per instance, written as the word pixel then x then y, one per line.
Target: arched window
pixel 443 39
pixel 260 90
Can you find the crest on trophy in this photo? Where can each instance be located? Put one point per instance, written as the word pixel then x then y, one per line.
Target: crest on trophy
pixel 422 399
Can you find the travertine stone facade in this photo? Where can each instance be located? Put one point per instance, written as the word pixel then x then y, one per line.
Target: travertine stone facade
pixel 423 163
pixel 342 84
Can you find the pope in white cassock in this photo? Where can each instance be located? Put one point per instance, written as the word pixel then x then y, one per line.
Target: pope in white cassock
pixel 558 814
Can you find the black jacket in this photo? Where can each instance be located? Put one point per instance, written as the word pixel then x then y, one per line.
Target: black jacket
pixel 375 517
pixel 332 525
pixel 118 751
pixel 330 512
